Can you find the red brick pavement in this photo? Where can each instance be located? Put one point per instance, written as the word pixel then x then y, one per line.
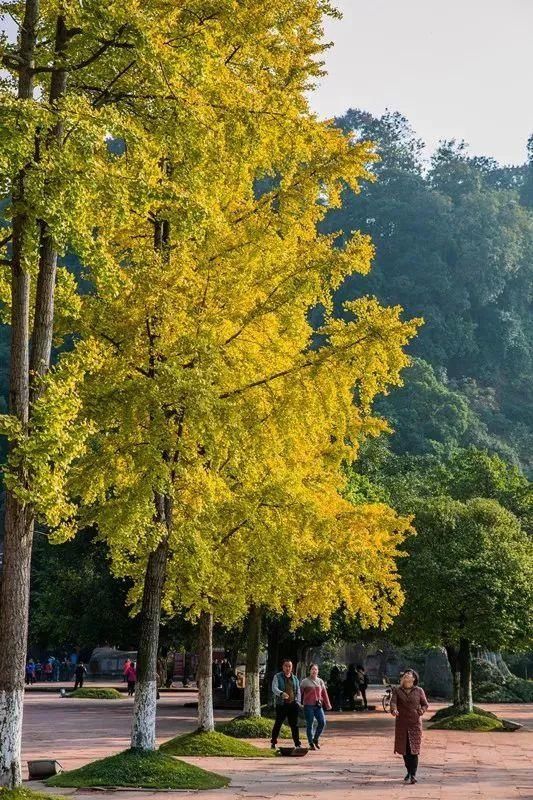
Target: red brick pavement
pixel 356 759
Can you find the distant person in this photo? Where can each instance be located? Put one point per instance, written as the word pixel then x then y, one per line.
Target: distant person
pixel 217 674
pixel 315 699
pixel 131 678
pixel 335 688
pixel 362 683
pixel 351 686
pixel 38 670
pixel 408 704
pixel 55 670
pixel 79 675
pixel 48 671
pixel 126 667
pixel 286 690
pixel 30 672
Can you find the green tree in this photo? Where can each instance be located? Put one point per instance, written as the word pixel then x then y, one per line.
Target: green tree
pixel 468 579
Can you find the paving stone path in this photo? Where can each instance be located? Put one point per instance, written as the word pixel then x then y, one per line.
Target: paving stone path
pixel 356 759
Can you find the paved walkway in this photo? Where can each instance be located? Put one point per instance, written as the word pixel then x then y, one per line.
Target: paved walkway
pixel 355 761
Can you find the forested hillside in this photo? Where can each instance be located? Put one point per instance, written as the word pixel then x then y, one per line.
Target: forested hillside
pixel 454 244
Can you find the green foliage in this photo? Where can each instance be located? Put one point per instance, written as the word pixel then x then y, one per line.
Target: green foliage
pixel 512 690
pixel 454 245
pixel 251 728
pixel 74 598
pixel 96 694
pixel 214 743
pixel 141 770
pixel 469 575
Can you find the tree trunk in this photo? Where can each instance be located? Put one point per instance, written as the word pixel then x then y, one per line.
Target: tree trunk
pixel 273 655
pixel 143 731
pixel 465 666
pixel 204 675
pixel 43 327
pixel 453 660
pixel 252 699
pixel 18 521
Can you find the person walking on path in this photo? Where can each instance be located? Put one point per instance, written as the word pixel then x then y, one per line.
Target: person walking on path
pixel 286 691
pixel 351 686
pixel 127 665
pixel 30 672
pixel 79 676
pixel 362 680
pixel 408 705
pixel 315 699
pixel 131 678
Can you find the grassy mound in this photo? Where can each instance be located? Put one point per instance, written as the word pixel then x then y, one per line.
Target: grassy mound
pixel 21 793
pixel 452 719
pixel 452 711
pixel 140 770
pixel 213 744
pixel 96 694
pixel 251 728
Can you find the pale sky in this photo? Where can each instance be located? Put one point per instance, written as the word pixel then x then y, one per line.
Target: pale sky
pixel 454 68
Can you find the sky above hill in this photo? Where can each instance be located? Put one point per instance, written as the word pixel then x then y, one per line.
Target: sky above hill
pixel 456 68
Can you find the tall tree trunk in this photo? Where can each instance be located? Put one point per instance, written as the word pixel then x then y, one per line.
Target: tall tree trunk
pixel 465 666
pixel 453 660
pixel 18 521
pixel 143 730
pixel 252 699
pixel 43 327
pixel 273 655
pixel 204 675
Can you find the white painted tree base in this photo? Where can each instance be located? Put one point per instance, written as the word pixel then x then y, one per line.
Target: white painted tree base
pixel 144 714
pixel 252 697
pixel 206 718
pixel 11 708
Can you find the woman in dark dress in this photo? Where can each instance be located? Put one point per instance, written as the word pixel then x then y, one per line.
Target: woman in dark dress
pixel 408 705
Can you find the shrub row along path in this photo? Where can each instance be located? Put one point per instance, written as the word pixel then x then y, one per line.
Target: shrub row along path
pixel 356 759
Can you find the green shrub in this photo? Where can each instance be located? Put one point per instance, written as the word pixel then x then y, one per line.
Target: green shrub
pixel 213 744
pixel 139 769
pixel 251 728
pixel 469 722
pixel 21 793
pixel 96 694
pixel 453 711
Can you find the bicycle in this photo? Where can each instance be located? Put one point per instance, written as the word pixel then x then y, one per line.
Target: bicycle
pixel 386 699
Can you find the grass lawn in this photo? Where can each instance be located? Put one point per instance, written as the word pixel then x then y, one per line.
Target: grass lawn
pixel 251 728
pixel 25 794
pixel 96 694
pixel 451 719
pixel 142 770
pixel 213 744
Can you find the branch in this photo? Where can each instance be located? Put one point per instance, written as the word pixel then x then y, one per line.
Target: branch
pixel 290 370
pixel 6 240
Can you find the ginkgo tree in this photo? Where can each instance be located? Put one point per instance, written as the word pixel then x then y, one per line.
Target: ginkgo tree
pixel 163 79
pixel 207 337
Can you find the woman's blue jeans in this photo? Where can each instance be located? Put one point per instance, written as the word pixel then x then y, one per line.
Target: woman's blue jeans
pixel 312 713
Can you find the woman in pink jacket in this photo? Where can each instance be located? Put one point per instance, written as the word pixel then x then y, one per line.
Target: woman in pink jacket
pixel 315 699
pixel 131 677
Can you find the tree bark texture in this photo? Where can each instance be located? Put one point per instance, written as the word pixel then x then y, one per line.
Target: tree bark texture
pixel 143 734
pixel 453 660
pixel 465 666
pixel 204 675
pixel 252 698
pixel 18 521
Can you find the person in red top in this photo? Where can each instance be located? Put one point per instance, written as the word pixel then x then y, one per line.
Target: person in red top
pixel 315 699
pixel 131 677
pixel 127 665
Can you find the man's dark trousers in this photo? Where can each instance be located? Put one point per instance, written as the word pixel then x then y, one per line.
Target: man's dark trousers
pixel 289 712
